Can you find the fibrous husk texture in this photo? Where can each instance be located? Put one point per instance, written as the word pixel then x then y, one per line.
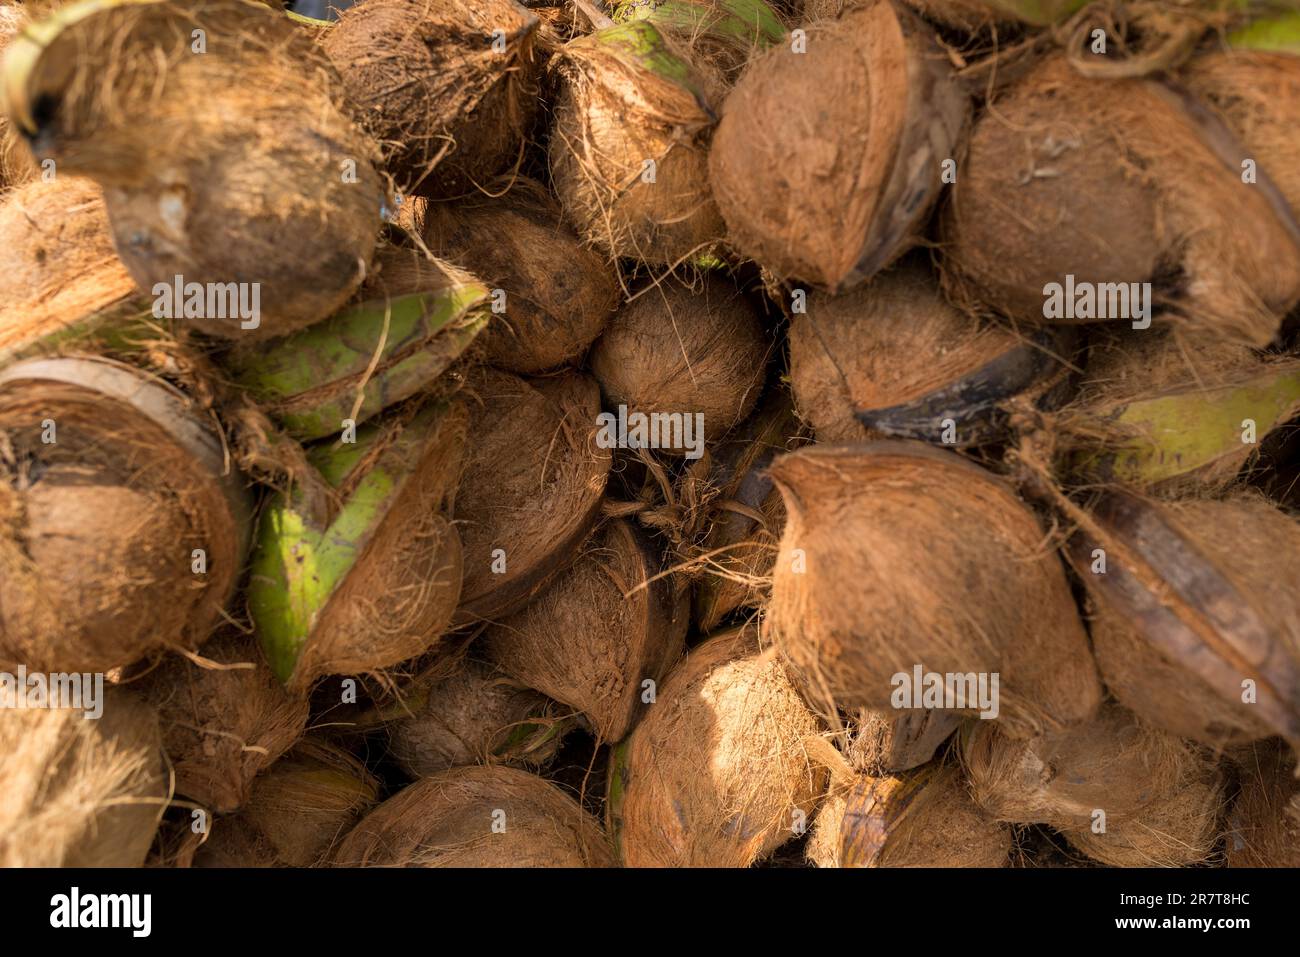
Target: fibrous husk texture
pixel 833 191
pixel 447 87
pixel 896 556
pixel 717 773
pixel 80 792
pixel 16 165
pixel 599 631
pixel 1263 827
pixel 477 817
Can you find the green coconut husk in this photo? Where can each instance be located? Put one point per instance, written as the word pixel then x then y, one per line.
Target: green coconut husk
pixel 373 580
pixel 1278 34
pixel 366 358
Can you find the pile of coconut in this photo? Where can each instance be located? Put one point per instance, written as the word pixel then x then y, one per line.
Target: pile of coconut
pixel 837 433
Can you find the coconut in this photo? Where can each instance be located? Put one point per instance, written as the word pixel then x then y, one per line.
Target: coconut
pixel 477 817
pixel 16 166
pixel 475 715
pixel 691 352
pixel 1025 225
pixel 533 483
pixel 224 719
pixel 898 557
pixel 1114 763
pixel 80 792
pixel 416 317
pixel 558 293
pixel 833 191
pixel 299 809
pixel 894 358
pixel 716 774
pixel 602 630
pixel 880 744
pixel 211 164
pixel 372 580
pixel 123 528
pixel 1196 625
pixel 448 88
pixel 1264 824
pixel 633 116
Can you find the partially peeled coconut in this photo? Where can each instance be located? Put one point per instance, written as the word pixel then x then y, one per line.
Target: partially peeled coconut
pixel 123 527
pixel 477 817
pixel 899 557
pixel 717 773
pixel 1263 827
pixel 604 628
pixel 370 579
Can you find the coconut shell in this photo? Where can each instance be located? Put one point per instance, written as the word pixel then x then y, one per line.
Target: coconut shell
pixel 449 89
pixel 716 774
pixel 533 483
pixel 477 817
pixel 894 358
pixel 299 809
pixel 895 557
pixel 1197 598
pixel 832 192
pixel 373 581
pixel 105 526
pixel 81 792
pixel 602 629
pixel 224 719
pixel 678 350
pixel 1263 828
pixel 1024 214
pixel 475 715
pixel 559 293
pixel 234 166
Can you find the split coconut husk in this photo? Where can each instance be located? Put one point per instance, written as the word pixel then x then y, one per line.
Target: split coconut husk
pixel 881 744
pixel 80 792
pixel 636 106
pixel 717 773
pixel 1114 763
pixel 447 87
pixel 1263 828
pixel 210 161
pixel 123 527
pixel 559 293
pixel 224 719
pixel 534 480
pixel 1025 232
pixel 477 817
pixel 374 579
pixel 832 192
pixel 298 811
pixel 475 715
pixel 602 630
pixel 418 316
pixel 895 358
pixel 898 558
pixel 698 353
pixel 1196 625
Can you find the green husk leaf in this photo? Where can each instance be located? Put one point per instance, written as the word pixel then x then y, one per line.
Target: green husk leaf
pixel 615 790
pixel 1279 34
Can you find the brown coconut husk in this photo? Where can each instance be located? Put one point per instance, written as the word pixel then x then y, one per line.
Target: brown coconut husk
pixel 1198 597
pixel 477 817
pixel 684 350
pixel 298 811
pixel 532 486
pixel 224 719
pixel 210 163
pixel 16 164
pixel 836 214
pixel 559 292
pixel 600 631
pixel 98 529
pixel 1024 211
pixel 1114 763
pixel 424 80
pixel 896 555
pixel 717 773
pixel 880 744
pixel 896 353
pixel 1263 827
pixel 81 792
pixel 475 715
